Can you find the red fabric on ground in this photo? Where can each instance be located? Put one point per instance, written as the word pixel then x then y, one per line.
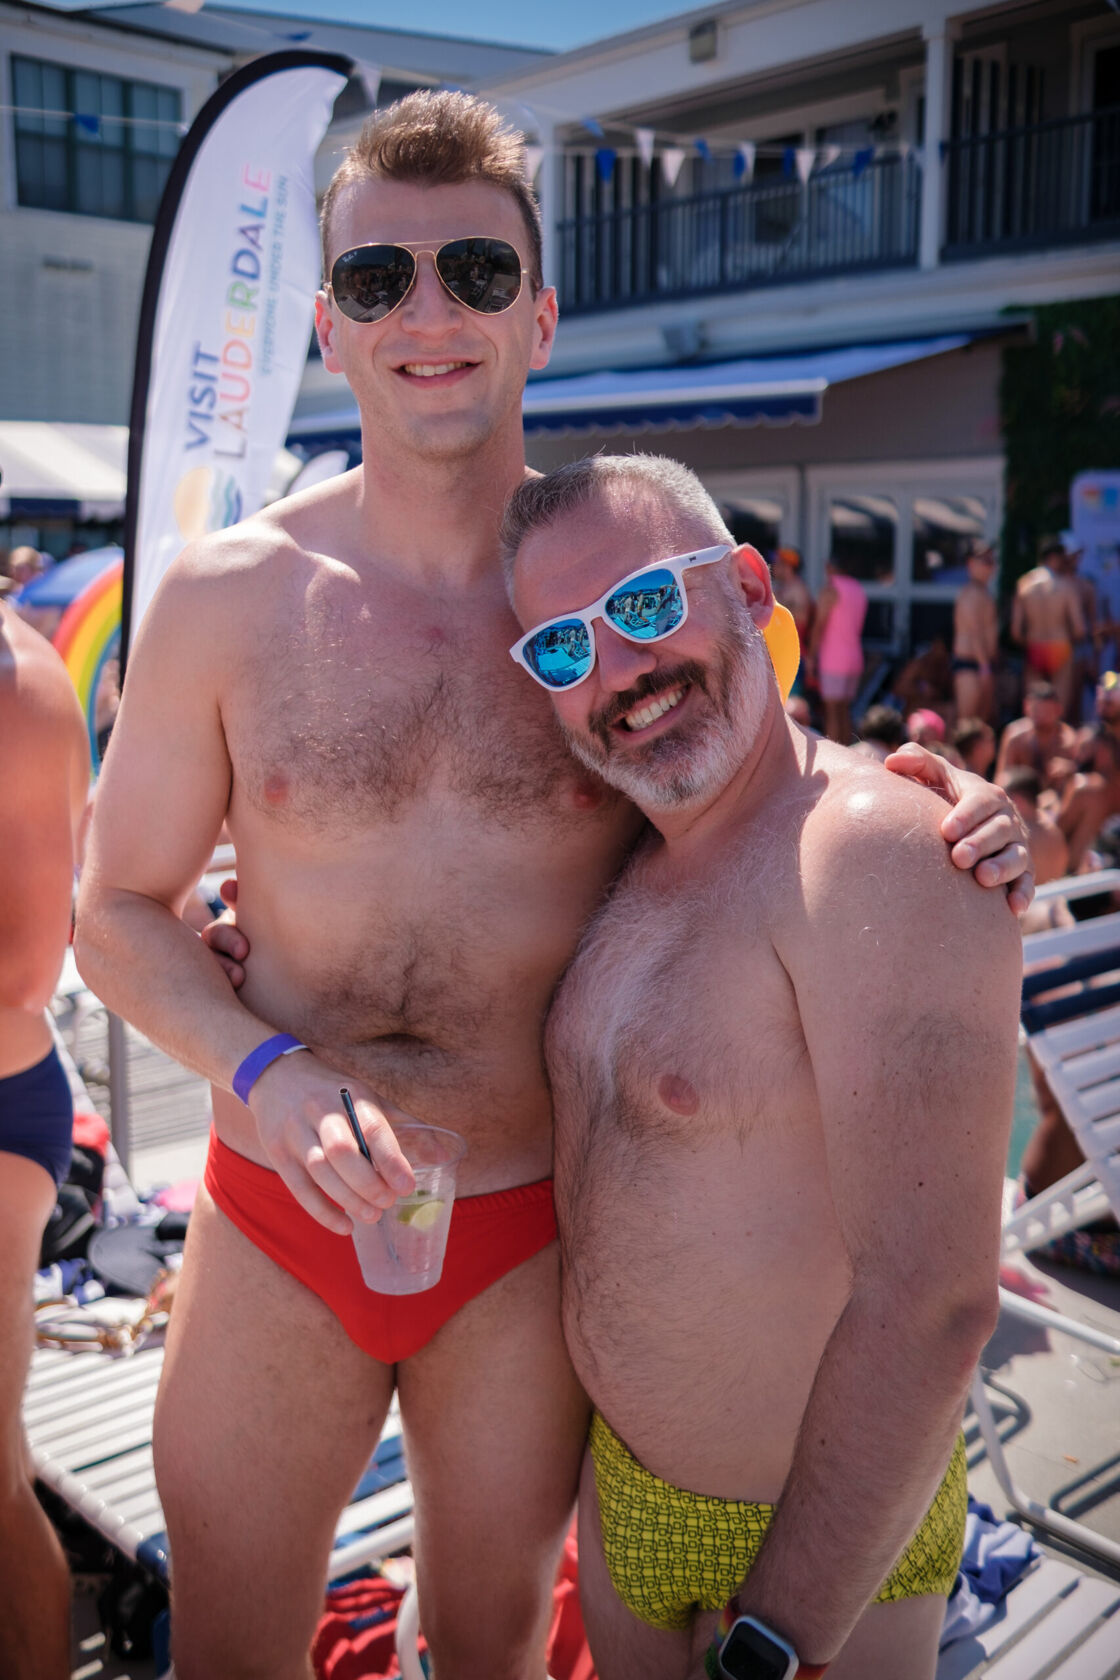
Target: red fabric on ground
pixel 355 1639
pixel 90 1131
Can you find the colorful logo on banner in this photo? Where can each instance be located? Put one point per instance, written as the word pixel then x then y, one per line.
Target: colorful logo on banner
pixel 88 637
pixel 227 310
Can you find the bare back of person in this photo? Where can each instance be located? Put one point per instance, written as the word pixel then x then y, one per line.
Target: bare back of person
pixel 1046 604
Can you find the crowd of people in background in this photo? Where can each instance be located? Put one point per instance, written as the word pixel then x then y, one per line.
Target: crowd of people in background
pixel 1024 704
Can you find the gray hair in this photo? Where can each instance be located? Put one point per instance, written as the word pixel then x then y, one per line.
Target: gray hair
pixel 540 502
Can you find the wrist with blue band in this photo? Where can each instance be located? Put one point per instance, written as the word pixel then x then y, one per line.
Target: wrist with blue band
pixel 255 1063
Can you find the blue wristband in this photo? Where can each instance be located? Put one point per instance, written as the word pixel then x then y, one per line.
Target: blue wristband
pixel 250 1070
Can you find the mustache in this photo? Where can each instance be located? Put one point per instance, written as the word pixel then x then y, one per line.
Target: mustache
pixel 688 673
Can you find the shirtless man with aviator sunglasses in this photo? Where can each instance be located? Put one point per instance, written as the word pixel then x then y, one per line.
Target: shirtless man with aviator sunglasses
pixel 417 852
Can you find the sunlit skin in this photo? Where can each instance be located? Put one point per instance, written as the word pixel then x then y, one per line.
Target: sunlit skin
pixel 792 1112
pixel 417 853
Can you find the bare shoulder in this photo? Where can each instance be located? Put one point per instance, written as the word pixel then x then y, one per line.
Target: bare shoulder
pixel 35 687
pixel 872 844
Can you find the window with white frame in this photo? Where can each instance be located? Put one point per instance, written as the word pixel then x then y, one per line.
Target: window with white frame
pixel 904 532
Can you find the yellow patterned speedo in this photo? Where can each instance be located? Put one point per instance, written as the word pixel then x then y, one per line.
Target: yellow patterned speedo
pixel 671 1552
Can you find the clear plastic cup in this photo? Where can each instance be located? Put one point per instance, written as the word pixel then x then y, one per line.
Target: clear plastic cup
pixel 402 1253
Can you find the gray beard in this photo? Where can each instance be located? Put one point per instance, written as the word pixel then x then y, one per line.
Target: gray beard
pixel 693 764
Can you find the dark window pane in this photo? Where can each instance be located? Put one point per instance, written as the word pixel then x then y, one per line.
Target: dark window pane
pixel 862 533
pixel 54 98
pixel 27 95
pixel 113 185
pixel 87 104
pixel 878 626
pixel 147 185
pixel 931 621
pixel 112 100
pixel 944 526
pixel 756 520
pixel 56 187
pixel 144 100
pixel 29 170
pixel 87 180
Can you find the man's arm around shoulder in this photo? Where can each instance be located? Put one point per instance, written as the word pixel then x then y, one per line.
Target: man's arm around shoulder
pixel 907 982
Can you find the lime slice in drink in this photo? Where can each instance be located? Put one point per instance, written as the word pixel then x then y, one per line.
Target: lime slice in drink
pixel 422 1216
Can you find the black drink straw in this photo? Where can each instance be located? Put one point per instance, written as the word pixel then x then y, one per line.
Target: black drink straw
pixel 348 1105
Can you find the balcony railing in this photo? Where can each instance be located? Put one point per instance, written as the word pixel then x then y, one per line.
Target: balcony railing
pixel 841 221
pixel 1051 183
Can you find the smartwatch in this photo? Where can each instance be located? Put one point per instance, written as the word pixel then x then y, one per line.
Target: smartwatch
pixel 752 1651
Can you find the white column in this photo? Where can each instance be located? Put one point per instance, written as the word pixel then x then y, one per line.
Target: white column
pixel 939 96
pixel 549 188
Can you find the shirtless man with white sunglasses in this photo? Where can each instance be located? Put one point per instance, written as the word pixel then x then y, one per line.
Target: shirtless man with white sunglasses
pixel 417 852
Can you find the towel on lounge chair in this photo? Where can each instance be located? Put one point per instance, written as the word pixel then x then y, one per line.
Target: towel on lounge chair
pixel 356 1639
pixel 996 1555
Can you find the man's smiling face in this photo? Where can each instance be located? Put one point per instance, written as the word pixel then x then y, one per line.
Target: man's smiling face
pixel 667 722
pixel 444 378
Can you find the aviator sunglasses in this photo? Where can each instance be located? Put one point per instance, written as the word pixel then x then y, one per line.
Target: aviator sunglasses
pixel 481 273
pixel 645 606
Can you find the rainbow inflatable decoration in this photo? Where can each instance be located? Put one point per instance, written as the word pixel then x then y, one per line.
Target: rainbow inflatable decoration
pixel 88 636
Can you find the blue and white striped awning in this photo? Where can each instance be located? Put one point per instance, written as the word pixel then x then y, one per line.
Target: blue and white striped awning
pixel 752 391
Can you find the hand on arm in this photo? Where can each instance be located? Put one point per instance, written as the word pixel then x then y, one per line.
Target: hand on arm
pixel 907 983
pixel 984 830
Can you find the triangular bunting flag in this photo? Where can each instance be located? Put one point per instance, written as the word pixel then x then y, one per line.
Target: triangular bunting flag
pixel 671 160
pixel 805 156
pixel 827 155
pixel 593 126
pixel 370 78
pixel 861 160
pixel 744 161
pixel 644 139
pixel 88 125
pixel 604 162
pixel 704 149
pixel 789 163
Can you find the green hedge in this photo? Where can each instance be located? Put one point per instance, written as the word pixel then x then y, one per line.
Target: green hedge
pixel 1060 415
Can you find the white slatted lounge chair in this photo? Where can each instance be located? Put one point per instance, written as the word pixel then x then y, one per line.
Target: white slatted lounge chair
pixel 1080 1059
pixel 1079 886
pixel 89 1425
pixel 1055 1623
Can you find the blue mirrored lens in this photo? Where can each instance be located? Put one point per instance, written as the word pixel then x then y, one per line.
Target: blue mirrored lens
pixel 560 653
pixel 647 606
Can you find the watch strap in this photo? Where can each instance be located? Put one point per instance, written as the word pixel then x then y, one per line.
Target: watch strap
pixel 728 1616
pixel 250 1070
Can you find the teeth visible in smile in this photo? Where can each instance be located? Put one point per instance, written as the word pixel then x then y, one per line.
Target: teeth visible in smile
pixel 424 370
pixel 642 716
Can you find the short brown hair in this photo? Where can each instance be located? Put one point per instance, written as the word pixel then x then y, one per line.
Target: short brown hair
pixel 434 139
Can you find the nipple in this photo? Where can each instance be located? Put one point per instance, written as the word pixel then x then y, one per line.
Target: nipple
pixel 676 1093
pixel 276 788
pixel 587 795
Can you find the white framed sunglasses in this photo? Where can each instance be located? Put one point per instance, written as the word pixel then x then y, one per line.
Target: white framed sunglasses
pixel 645 606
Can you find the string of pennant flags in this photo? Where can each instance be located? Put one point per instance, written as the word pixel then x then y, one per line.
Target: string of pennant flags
pixel 798 162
